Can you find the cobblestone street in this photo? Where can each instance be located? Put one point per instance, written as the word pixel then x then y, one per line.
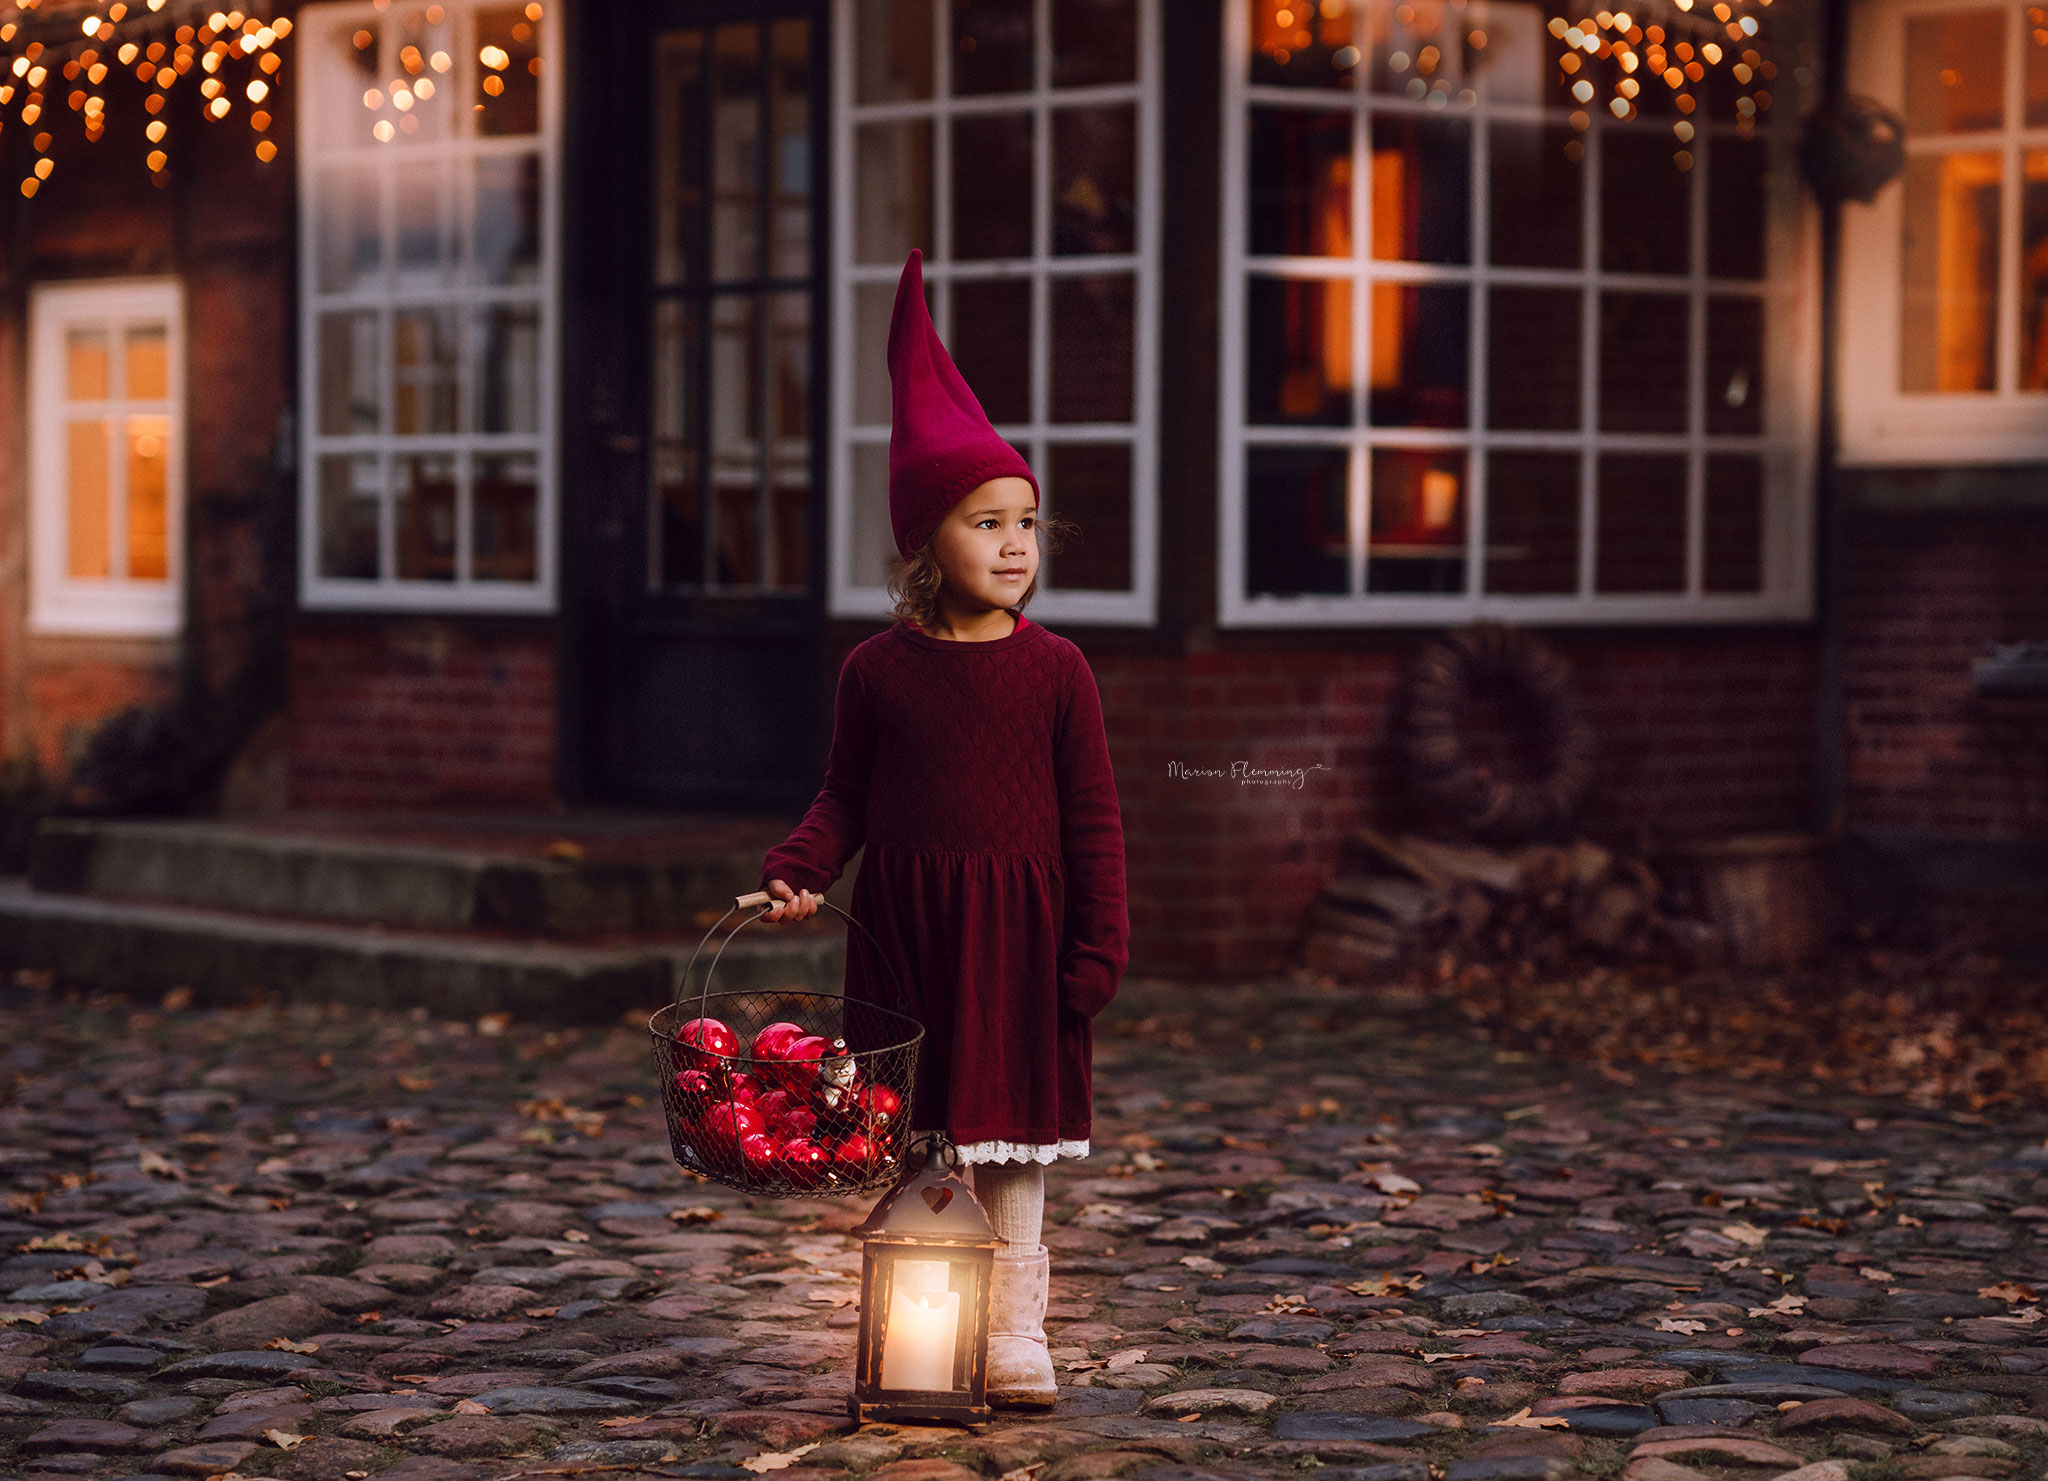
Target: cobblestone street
pixel 326 1245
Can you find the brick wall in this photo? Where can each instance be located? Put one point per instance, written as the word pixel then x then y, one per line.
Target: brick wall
pixel 1929 591
pixel 442 714
pixel 1702 734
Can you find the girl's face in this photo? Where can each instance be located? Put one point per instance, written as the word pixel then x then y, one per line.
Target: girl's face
pixel 988 546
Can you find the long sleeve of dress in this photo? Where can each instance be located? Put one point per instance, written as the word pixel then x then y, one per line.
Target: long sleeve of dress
pixel 1096 946
pixel 812 857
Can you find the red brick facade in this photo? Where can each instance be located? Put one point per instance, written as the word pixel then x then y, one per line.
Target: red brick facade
pixel 1703 733
pixel 422 714
pixel 1929 592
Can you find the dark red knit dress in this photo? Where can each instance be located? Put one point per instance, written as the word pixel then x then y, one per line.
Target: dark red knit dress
pixel 978 777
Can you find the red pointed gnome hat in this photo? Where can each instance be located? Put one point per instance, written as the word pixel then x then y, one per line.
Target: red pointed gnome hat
pixel 941 445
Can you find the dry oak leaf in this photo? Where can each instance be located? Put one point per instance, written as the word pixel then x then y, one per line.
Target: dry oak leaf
pixel 285 1439
pixel 469 1406
pixel 1385 1285
pixel 285 1344
pixel 1522 1419
pixel 777 1460
pixel 1675 1324
pixel 1023 1473
pixel 2008 1291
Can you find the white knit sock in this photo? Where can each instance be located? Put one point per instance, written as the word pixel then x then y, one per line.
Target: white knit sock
pixel 1013 1193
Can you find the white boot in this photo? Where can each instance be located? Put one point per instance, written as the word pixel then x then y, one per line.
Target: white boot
pixel 1019 1366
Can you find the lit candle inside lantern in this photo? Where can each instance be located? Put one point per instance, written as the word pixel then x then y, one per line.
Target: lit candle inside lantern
pixel 924 1328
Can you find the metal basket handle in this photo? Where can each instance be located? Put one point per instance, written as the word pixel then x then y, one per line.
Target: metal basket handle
pixel 769 902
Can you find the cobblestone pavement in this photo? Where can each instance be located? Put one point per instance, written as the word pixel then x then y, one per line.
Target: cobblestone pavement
pixel 330 1245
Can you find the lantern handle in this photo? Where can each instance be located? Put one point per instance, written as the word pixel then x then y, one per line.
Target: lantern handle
pixel 758 897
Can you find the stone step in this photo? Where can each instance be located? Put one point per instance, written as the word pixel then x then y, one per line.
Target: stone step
pixel 580 886
pixel 147 949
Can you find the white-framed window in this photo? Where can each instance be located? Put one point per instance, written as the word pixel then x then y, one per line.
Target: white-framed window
pixel 1016 142
pixel 1944 340
pixel 1487 354
pixel 427 198
pixel 107 458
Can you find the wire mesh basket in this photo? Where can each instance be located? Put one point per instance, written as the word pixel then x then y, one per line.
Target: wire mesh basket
pixel 787 1093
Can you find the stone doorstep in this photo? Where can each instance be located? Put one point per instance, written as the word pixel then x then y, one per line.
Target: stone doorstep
pixel 150 949
pixel 411 881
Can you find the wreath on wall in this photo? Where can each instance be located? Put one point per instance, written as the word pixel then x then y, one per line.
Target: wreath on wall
pixel 1489 660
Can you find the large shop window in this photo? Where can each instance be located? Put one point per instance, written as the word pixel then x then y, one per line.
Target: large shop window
pixel 107 458
pixel 1945 276
pixel 1017 143
pixel 427 193
pixel 1487 353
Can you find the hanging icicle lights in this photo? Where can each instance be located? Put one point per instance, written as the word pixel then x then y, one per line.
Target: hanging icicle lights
pixel 1675 54
pixel 1432 49
pixel 54 56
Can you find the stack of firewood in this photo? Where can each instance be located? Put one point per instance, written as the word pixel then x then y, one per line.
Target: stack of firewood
pixel 1398 901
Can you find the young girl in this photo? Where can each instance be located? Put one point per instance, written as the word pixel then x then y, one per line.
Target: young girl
pixel 968 755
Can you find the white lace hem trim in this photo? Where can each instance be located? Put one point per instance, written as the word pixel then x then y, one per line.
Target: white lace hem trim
pixel 975 1152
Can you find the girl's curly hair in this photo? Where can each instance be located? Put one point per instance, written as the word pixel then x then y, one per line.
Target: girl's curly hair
pixel 914 584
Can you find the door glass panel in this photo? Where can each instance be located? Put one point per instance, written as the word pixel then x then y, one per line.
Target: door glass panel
pixel 508 369
pixel 505 498
pixel 88 371
pixel 1421 198
pixel 1094 332
pixel 425 499
pixel 992 46
pixel 508 82
pixel 1094 42
pixel 349 361
pixel 892 209
pixel 506 224
pixel 678 445
pixel 1090 483
pixel 149 365
pixel 1297 530
pixel 1955 72
pixel 1644 350
pixel 1533 359
pixel 2034 271
pixel 1733 558
pixel 1735 365
pixel 1534 196
pixel 735 152
pixel 991 346
pixel 1736 208
pixel 1532 523
pixel 149 440
pixel 1094 162
pixel 1639 541
pixel 349 242
pixel 678 168
pixel 790 222
pixel 351 496
pixel 992 185
pixel 1300 177
pixel 88 498
pixel 1949 305
pixel 1418 355
pixel 1298 350
pixel 1418 521
pixel 1645 199
pixel 425 360
pixel 426 255
pixel 731 462
pixel 894 51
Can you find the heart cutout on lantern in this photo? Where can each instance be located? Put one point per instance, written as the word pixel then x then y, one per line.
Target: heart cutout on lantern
pixel 937 1199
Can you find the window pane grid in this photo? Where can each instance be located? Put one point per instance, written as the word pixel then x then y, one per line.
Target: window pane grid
pixel 450 282
pixel 1050 319
pixel 1371 276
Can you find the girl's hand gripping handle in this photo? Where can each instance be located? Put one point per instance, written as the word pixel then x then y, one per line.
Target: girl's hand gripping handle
pixel 798 904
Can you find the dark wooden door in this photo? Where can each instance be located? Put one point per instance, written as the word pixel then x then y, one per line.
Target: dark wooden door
pixel 695 522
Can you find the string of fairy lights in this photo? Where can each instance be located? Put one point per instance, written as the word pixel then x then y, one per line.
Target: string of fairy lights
pixel 58 55
pixel 56 58
pixel 1428 48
